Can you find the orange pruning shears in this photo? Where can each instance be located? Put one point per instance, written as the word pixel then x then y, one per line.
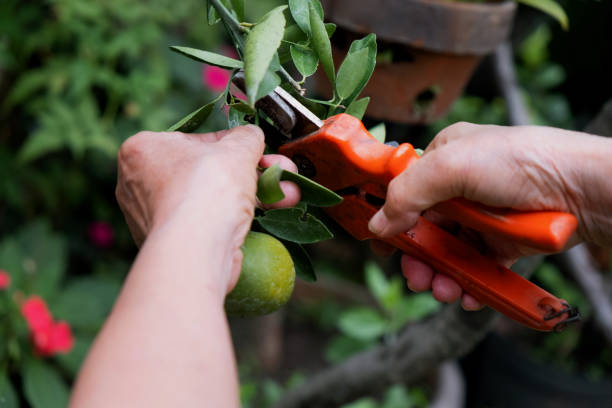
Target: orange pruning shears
pixel 340 154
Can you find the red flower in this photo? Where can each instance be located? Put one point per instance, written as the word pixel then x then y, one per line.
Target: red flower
pixel 49 337
pixel 5 279
pixel 215 78
pixel 54 339
pixel 36 314
pixel 101 234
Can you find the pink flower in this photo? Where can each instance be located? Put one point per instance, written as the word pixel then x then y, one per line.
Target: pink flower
pixel 56 338
pixel 36 314
pixel 215 78
pixel 101 234
pixel 49 337
pixel 5 279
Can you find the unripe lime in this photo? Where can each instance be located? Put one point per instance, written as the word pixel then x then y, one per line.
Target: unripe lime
pixel 266 278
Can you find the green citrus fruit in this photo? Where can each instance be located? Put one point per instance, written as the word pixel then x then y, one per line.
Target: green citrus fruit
pixel 266 278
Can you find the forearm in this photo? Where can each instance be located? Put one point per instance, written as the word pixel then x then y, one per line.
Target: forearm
pixel 167 342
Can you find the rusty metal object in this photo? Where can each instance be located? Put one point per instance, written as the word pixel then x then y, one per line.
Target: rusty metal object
pixel 435 25
pixel 417 91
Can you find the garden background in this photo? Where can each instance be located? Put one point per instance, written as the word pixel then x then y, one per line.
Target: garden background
pixel 79 77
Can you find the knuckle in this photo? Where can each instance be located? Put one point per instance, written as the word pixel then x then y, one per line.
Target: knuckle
pixel 133 147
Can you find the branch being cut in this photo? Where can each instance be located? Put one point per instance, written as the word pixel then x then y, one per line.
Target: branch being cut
pixel 449 334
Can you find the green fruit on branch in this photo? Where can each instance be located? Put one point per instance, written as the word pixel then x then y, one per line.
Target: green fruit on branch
pixel 266 278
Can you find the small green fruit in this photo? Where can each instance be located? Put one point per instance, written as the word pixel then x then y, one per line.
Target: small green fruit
pixel 266 278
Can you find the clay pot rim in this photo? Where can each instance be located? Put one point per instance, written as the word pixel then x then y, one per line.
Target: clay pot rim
pixel 471 28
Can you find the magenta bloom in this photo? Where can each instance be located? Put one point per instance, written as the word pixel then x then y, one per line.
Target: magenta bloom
pixel 101 234
pixel 5 279
pixel 49 337
pixel 215 78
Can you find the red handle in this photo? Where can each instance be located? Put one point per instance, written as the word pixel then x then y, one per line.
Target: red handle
pixel 490 283
pixel 346 155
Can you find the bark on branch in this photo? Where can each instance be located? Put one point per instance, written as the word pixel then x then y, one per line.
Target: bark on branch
pixel 450 333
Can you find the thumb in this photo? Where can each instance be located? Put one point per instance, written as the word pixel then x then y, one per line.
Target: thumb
pixel 435 177
pixel 246 142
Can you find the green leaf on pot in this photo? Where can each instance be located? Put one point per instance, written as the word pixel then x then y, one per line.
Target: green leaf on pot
pixel 243 107
pixel 379 132
pixel 268 185
pixel 550 7
pixel 305 59
pixel 312 192
pixel 320 43
pixel 351 73
pixel 301 13
pixel 358 107
pixel 260 48
pixel 195 119
pixel 208 57
pixel 330 28
pixel 301 261
pixel 8 396
pixel 362 323
pixel 43 386
pixel 369 43
pixel 292 224
pixel 293 34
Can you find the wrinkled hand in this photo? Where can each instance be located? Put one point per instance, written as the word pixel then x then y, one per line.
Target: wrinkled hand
pixel 162 174
pixel 525 168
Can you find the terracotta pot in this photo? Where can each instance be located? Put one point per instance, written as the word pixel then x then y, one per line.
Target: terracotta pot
pixel 440 44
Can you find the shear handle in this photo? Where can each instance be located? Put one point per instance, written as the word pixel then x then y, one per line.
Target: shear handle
pixel 480 276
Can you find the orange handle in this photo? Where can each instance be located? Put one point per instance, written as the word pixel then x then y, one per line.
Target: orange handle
pixel 346 155
pixel 490 283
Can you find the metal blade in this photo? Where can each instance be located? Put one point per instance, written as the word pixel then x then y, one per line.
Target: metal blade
pixel 290 117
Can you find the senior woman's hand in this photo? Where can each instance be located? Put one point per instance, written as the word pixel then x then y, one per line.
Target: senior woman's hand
pixel 210 178
pixel 527 168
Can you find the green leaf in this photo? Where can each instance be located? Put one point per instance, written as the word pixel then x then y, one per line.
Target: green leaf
pixel 211 14
pixel 235 118
pixel 292 35
pixel 351 73
pixel 368 42
pixel 243 107
pixel 550 7
pixel 362 323
pixel 86 302
pixel 379 132
pixel 305 59
pixel 268 185
pixel 209 58
pixel 301 14
pixel 358 107
pixel 376 281
pixel 195 119
pixel 43 386
pixel 411 308
pixel 72 361
pixel 342 347
pixel 301 261
pixel 45 256
pixel 238 7
pixel 397 397
pixel 320 43
pixel 260 48
pixel 8 397
pixel 312 193
pixel 330 28
pixel 269 83
pixel 292 224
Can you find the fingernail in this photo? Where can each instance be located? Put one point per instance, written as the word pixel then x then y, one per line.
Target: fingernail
pixel 378 223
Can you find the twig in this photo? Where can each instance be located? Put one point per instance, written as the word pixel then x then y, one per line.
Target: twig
pixel 506 80
pixel 590 280
pixel 450 390
pixel 292 82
